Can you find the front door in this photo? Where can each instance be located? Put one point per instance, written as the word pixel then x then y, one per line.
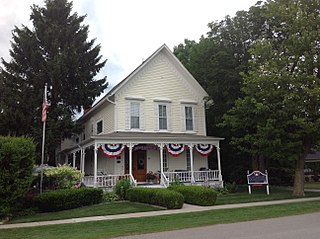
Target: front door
pixel 139 165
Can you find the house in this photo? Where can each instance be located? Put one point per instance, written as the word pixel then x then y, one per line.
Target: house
pixel 150 127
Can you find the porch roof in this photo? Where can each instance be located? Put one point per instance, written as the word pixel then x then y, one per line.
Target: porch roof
pixel 155 137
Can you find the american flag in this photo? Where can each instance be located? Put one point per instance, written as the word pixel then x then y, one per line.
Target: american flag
pixel 44 110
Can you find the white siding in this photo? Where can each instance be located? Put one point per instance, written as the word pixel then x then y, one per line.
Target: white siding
pixel 160 80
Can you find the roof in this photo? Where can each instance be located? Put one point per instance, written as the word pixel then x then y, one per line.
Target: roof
pixel 116 88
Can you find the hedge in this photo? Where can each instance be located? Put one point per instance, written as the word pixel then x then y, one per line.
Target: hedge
pixel 197 195
pixel 17 157
pixel 68 198
pixel 156 196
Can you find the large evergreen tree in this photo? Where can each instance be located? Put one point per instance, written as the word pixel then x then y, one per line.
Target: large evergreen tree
pixel 55 51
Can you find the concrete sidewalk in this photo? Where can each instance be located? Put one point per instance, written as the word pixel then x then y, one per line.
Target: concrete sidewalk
pixel 186 208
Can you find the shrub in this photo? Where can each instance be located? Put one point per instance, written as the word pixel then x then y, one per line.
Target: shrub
pixel 17 156
pixel 156 196
pixel 231 187
pixel 68 198
pixel 110 197
pixel 122 187
pixel 315 178
pixel 197 195
pixel 62 176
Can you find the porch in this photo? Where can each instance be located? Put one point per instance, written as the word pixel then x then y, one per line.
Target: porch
pixel 207 178
pixel 105 159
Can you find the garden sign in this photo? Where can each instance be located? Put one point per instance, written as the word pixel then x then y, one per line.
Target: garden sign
pixel 257 179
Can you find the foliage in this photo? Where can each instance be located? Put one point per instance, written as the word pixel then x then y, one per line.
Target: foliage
pixel 156 196
pixel 55 51
pixel 197 195
pixel 122 188
pixel 231 187
pixel 110 197
pixel 17 156
pixel 62 176
pixel 69 198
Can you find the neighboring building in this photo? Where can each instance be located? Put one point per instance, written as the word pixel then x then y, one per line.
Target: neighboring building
pixel 150 127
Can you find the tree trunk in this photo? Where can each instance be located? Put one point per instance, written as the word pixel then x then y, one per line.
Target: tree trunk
pixel 298 187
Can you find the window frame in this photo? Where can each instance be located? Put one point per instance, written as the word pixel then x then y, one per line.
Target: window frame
pixel 136 117
pixel 99 128
pixel 163 117
pixel 186 119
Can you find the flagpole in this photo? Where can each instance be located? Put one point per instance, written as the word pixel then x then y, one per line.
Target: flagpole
pixel 43 137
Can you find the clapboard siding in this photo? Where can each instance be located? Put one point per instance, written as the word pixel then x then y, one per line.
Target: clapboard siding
pixel 159 80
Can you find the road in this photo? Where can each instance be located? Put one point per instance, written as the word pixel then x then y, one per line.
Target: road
pixel 305 226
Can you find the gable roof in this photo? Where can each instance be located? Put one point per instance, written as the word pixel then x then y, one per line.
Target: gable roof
pixel 164 48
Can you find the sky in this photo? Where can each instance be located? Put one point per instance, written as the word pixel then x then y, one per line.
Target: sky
pixel 129 31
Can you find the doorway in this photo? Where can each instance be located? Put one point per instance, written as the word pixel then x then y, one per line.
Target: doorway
pixel 139 165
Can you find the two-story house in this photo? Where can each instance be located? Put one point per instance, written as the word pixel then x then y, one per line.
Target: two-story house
pixel 150 124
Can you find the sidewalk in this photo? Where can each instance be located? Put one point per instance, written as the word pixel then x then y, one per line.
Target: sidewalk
pixel 186 208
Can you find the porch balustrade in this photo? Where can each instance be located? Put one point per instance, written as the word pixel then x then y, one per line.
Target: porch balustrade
pixel 104 181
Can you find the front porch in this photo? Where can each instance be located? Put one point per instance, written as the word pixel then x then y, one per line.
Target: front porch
pixel 169 158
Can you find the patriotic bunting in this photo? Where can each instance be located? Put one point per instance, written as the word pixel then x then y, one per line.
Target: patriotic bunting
pixel 175 149
pixel 204 149
pixel 112 150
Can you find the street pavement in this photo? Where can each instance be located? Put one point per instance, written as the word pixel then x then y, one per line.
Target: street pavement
pixel 186 208
pixel 306 226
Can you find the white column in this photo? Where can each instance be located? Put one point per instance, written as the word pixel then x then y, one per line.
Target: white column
pixel 74 159
pixel 130 159
pixel 95 173
pixel 191 162
pixel 161 163
pixel 83 160
pixel 219 163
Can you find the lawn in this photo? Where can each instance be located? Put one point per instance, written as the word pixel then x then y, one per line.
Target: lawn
pixel 94 210
pixel 259 194
pixel 312 185
pixel 122 227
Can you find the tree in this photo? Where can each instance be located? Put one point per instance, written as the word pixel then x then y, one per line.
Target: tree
pixel 280 111
pixel 56 51
pixel 216 61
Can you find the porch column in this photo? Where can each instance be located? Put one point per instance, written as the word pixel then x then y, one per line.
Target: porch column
pixel 95 169
pixel 161 163
pixel 191 162
pixel 219 163
pixel 83 160
pixel 130 159
pixel 74 159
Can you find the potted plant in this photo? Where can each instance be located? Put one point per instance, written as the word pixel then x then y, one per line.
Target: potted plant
pixel 151 177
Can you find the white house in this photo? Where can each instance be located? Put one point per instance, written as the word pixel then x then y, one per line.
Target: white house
pixel 151 125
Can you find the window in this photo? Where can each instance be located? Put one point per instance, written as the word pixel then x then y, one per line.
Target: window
pixel 163 118
pixel 188 160
pixel 135 115
pixel 99 127
pixel 165 161
pixel 189 117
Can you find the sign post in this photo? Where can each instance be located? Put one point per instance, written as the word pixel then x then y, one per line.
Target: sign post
pixel 258 179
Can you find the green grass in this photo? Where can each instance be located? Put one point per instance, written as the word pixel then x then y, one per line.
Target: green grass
pixel 312 185
pixel 122 227
pixel 94 210
pixel 259 194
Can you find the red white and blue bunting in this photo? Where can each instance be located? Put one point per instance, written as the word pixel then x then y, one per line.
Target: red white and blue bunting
pixel 204 149
pixel 112 150
pixel 175 149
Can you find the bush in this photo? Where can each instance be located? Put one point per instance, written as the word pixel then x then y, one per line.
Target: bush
pixel 122 187
pixel 197 195
pixel 315 178
pixel 68 198
pixel 231 187
pixel 62 176
pixel 156 196
pixel 17 157
pixel 110 197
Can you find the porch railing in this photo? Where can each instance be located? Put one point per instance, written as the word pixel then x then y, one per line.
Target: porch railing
pixel 199 176
pixel 104 181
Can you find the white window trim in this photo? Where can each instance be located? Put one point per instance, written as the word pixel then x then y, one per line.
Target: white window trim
pixel 185 120
pixel 139 104
pixel 157 117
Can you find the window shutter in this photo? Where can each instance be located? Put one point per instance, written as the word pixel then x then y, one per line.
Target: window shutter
pixel 127 115
pixel 142 116
pixel 169 123
pixel 156 117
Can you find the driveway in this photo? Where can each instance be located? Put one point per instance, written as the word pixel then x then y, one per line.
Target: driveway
pixel 305 226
